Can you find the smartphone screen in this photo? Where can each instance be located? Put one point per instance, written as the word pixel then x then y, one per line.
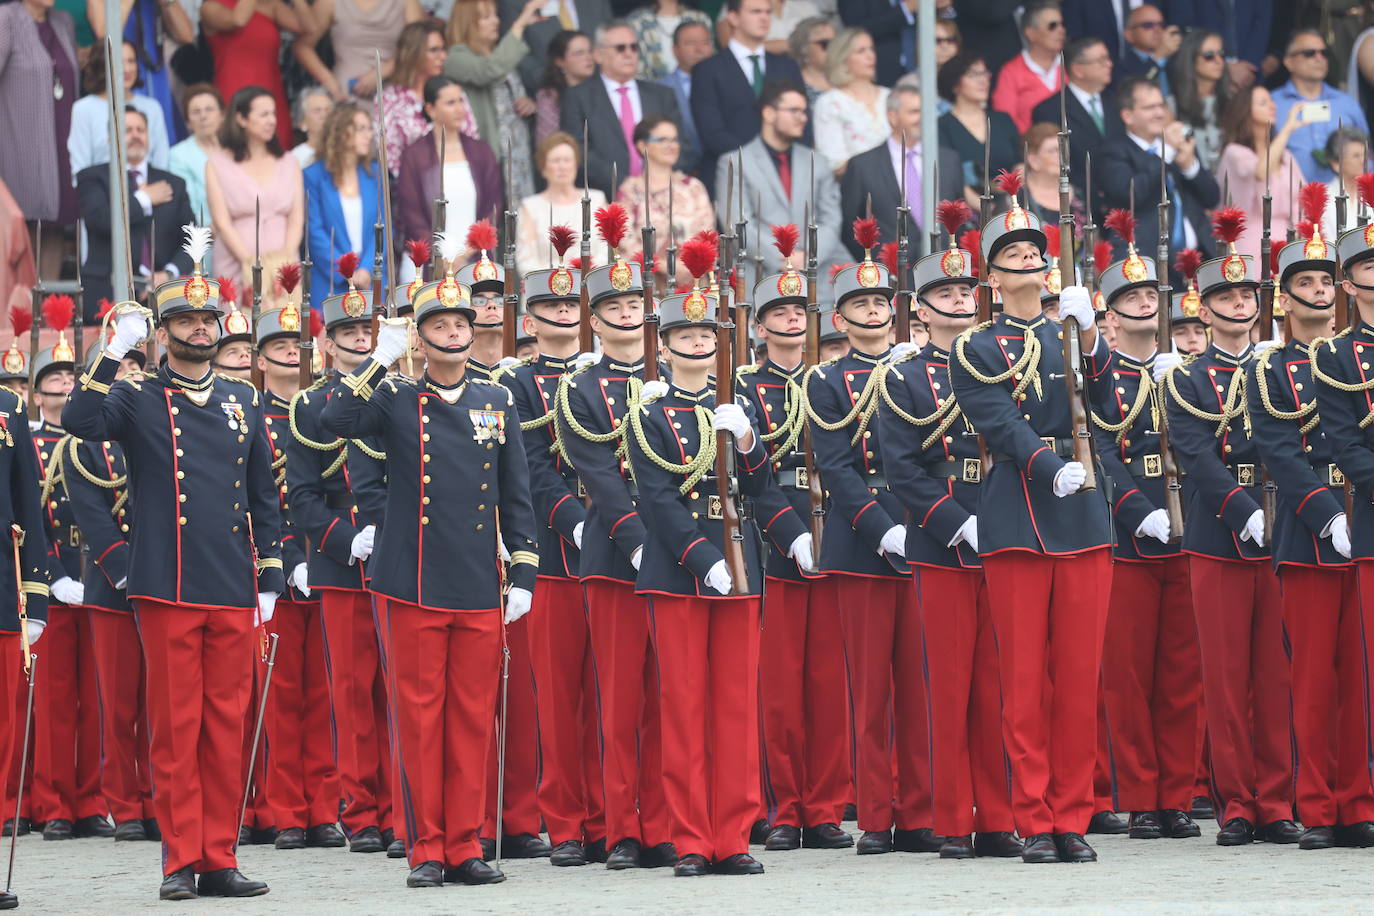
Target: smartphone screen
pixel 1316 112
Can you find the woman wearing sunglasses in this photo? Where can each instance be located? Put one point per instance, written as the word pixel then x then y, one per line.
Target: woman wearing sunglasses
pixel 1202 86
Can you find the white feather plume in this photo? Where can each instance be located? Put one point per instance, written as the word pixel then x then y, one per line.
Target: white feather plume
pixel 198 241
pixel 450 247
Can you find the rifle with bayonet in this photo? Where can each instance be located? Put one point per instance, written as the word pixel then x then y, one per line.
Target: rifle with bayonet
pixel 725 394
pixel 1268 490
pixel 584 312
pixel 307 339
pixel 648 245
pixel 984 217
pixel 440 219
pixel 510 298
pixel 741 261
pixel 1090 227
pixel 1173 485
pixel 1083 451
pixel 811 355
pixel 256 309
pixel 901 300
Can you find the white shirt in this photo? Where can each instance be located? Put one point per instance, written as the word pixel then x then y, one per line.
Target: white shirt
pixel 743 56
pixel 613 90
pixel 462 197
pixel 1189 234
pixel 352 208
pixel 141 171
pixel 305 155
pixel 1050 76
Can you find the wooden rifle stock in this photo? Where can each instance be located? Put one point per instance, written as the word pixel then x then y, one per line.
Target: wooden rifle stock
pixel 1173 485
pixel 810 356
pixel 725 394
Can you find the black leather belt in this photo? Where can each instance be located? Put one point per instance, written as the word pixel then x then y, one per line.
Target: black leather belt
pixel 1063 447
pixel 964 470
pixel 344 502
pixel 1150 467
pixel 69 535
pixel 709 504
pixel 794 479
pixel 1332 474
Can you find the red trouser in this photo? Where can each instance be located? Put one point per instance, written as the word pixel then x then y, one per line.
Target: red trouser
pixel 302 783
pixel 1245 680
pixel 806 754
pixel 125 778
pixel 1153 678
pixel 1321 609
pixel 521 813
pixel 1049 614
pixel 445 666
pixel 627 683
pixel 570 792
pixel 708 657
pixel 884 657
pixel 358 694
pixel 66 720
pixel 969 766
pixel 200 665
pixel 13 699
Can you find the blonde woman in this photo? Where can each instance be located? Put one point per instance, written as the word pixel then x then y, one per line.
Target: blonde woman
pixel 851 117
pixel 343 199
pixel 560 203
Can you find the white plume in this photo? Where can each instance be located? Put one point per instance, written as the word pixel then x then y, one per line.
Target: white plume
pixel 198 241
pixel 450 247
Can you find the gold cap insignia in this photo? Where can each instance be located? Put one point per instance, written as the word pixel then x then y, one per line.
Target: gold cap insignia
pixel 290 318
pixel 622 277
pixel 62 351
pixel 1099 301
pixel 789 283
pixel 354 303
pixel 450 293
pixel 561 282
pixel 13 360
pixel 1190 302
pixel 196 292
pixel 952 264
pixel 1134 269
pixel 695 305
pixel 235 322
pixel 1016 219
pixel 1315 249
pixel 484 269
pixel 1369 236
pixel 1053 281
pixel 868 275
pixel 1233 268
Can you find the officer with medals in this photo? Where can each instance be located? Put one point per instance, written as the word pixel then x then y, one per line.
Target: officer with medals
pixel 458 494
pixel 930 452
pixel 1151 671
pixel 863 550
pixel 204 566
pixel 1245 673
pixel 235 354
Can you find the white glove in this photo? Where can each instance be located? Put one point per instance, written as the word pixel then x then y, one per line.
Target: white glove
pixel 577 535
pixel 718 577
pixel 581 360
pixel 267 606
pixel 300 578
pixel 1339 532
pixel 803 551
pixel 122 583
pixel 653 390
pixel 506 362
pixel 362 544
pixel 1267 344
pixel 1163 363
pixel 1254 528
pixel 1155 525
pixel 894 541
pixel 393 339
pixel 35 629
pixel 1069 479
pixel 1075 302
pixel 901 351
pixel 730 418
pixel 68 591
pixel 636 557
pixel 517 603
pixel 130 330
pixel 502 552
pixel 968 533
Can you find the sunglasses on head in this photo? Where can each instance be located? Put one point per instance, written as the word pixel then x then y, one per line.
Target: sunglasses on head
pixel 1310 53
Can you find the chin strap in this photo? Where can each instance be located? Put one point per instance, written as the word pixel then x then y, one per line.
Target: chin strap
pixel 680 355
pixel 442 349
pixel 557 324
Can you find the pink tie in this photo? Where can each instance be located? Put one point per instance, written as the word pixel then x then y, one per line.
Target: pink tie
pixel 627 127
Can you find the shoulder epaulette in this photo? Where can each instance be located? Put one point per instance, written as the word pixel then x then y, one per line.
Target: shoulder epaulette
pixel 510 369
pixel 745 370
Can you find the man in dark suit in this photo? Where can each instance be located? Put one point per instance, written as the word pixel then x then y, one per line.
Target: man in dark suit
pixel 1099 19
pixel 158 208
pixel 724 86
pixel 691 45
pixel 873 175
pixel 892 23
pixel 1143 53
pixel 582 15
pixel 1135 158
pixel 611 104
pixel 990 28
pixel 1243 25
pixel 1092 117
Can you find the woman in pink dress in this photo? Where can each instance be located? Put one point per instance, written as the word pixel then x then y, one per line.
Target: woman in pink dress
pixel 1253 149
pixel 249 171
pixel 245 40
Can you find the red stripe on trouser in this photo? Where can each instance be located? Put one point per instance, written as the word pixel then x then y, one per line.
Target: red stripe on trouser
pixel 358 695
pixel 627 679
pixel 1321 609
pixel 969 769
pixel 802 698
pixel 708 654
pixel 1049 614
pixel 1153 678
pixel 66 720
pixel 124 777
pixel 570 791
pixel 199 671
pixel 521 813
pixel 1245 680
pixel 302 781
pixel 444 672
pixel 884 658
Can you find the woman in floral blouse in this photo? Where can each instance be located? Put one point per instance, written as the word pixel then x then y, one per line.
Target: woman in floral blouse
pixel 654 25
pixel 852 117
pixel 420 54
pixel 656 138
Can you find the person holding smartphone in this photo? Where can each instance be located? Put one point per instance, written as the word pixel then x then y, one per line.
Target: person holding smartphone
pixel 1325 108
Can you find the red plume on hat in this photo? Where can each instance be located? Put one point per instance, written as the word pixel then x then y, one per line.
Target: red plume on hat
pixel 1122 222
pixel 611 222
pixel 104 307
pixel 316 323
pixel 785 240
pixel 1276 251
pixel 866 232
pixel 1010 182
pixel 952 214
pixel 348 266
pixel 481 236
pixel 1312 201
pixel 561 238
pixel 1187 263
pixel 1102 256
pixel 21 319
pixel 228 290
pixel 58 310
pixel 289 276
pixel 1051 239
pixel 699 253
pixel 888 255
pixel 1305 229
pixel 836 268
pixel 419 252
pixel 1228 224
pixel 645 271
pixel 1365 183
pixel 971 241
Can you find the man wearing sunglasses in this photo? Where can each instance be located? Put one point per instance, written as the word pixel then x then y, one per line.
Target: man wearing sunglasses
pixel 1035 75
pixel 1145 53
pixel 1325 107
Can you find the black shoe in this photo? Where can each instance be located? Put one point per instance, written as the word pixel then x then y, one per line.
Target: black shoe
pixel 524 846
pixel 8 901
pixel 230 882
pixel 396 849
pixel 150 827
pixel 1178 825
pixel 1282 831
pixel 57 829
pixel 921 840
pixel 264 836
pixel 327 836
pixel 958 847
pixel 691 866
pixel 851 814
pixel 245 836
pixel 596 851
pixel 624 855
pixel 826 836
pixel 1202 809
pixel 474 871
pixel 758 834
pixel 291 838
pixel 1357 836
pixel 179 885
pixel 660 855
pixel 997 844
pixel 1236 832
pixel 93 825
pixel 874 843
pixel 1040 849
pixel 131 831
pixel 25 827
pixel 1073 848
pixel 369 839
pixel 1145 825
pixel 388 836
pixel 488 848
pixel 1318 838
pixel 426 874
pixel 741 863
pixel 1108 823
pixel 783 837
pixel 568 854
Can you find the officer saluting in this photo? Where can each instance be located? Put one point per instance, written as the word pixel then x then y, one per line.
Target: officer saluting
pixel 205 552
pixel 457 493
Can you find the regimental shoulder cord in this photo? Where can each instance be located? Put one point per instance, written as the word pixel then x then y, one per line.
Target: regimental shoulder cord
pixel 865 405
pixel 696 466
pixel 1233 405
pixel 788 433
pixel 1303 411
pixel 1026 369
pixel 1330 344
pixel 1145 394
pixel 55 474
pixel 341 444
pixel 563 408
pixel 944 416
